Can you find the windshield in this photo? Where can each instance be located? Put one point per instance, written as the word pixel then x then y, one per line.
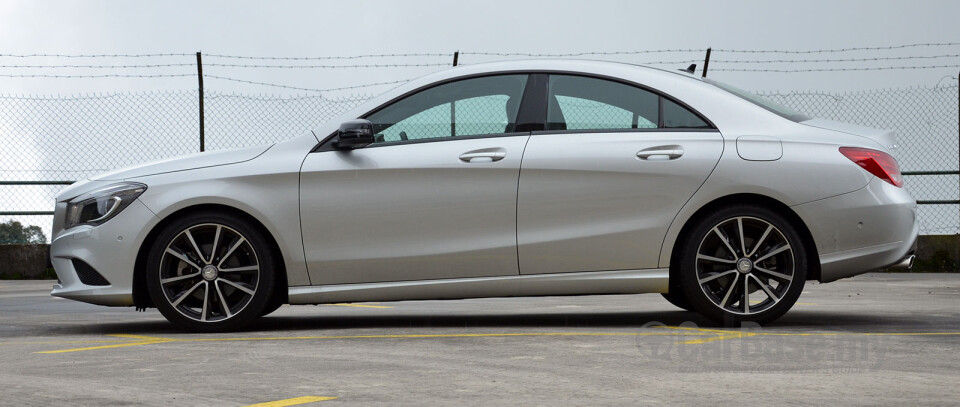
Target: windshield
pixel 754 98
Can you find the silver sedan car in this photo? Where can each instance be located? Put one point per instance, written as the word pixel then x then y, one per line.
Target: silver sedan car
pixel 524 178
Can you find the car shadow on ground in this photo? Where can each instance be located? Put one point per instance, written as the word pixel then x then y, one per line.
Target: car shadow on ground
pixel 803 321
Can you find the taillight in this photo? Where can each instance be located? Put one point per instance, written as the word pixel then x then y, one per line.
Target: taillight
pixel 876 162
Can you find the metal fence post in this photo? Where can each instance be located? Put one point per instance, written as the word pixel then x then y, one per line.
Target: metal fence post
pixel 456 56
pixel 706 62
pixel 200 80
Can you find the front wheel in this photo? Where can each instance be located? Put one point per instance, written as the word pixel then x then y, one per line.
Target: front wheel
pixel 210 272
pixel 742 263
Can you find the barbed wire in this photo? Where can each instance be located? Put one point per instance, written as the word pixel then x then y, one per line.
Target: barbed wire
pixel 306 89
pixel 881 68
pixel 793 61
pixel 577 54
pixel 97 66
pixel 176 75
pixel 323 58
pixel 93 96
pixel 217 65
pixel 95 55
pixel 735 61
pixel 326 66
pixel 438 54
pixel 686 61
pixel 818 51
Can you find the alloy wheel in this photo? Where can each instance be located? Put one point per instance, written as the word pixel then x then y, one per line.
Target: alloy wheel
pixel 209 272
pixel 745 265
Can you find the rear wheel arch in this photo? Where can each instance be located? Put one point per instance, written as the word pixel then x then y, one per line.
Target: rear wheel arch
pixel 813 258
pixel 141 297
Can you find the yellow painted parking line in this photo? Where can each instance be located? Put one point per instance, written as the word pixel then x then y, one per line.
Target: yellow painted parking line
pixel 718 335
pixel 143 340
pixel 733 334
pixel 422 336
pixel 358 305
pixel 708 335
pixel 57 342
pixel 151 340
pixel 292 402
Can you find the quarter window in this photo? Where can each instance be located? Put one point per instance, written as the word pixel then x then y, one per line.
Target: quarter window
pixel 469 107
pixel 676 116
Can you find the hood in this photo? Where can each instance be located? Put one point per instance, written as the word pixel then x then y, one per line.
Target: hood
pixel 186 162
pixel 886 138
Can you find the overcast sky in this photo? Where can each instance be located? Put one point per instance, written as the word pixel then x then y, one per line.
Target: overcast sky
pixel 344 28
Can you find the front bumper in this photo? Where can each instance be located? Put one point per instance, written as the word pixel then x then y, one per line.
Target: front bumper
pixel 862 231
pixel 110 249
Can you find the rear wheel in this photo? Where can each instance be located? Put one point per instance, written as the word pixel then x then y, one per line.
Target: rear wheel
pixel 743 263
pixel 211 272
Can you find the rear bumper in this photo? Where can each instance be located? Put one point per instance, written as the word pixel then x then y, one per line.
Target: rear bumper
pixel 862 231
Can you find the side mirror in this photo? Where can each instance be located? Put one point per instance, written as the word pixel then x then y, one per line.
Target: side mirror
pixel 354 134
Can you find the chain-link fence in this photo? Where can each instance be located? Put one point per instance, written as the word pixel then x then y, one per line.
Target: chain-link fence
pixel 48 141
pixel 925 120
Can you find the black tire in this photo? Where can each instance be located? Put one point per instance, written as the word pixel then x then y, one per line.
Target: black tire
pixel 771 252
pixel 275 304
pixel 236 278
pixel 675 297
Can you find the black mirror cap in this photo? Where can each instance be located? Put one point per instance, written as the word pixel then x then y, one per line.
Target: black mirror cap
pixel 354 134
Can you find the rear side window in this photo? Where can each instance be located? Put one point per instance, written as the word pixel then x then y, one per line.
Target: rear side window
pixel 583 103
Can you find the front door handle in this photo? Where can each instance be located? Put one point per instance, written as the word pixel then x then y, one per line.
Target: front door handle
pixel 670 152
pixel 486 155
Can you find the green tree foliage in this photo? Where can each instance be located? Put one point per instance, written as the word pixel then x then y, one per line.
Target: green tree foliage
pixel 13 232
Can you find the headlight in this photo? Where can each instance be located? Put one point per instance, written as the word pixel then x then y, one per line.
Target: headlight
pixel 98 206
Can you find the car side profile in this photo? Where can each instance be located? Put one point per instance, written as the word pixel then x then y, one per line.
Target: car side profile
pixel 521 178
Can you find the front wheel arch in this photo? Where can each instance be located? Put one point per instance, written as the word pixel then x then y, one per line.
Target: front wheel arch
pixel 141 297
pixel 813 258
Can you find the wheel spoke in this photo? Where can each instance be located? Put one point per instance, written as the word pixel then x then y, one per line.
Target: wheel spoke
pixel 774 274
pixel 183 258
pixel 186 294
pixel 766 289
pixel 194 244
pixel 714 259
pixel 223 301
pixel 238 286
pixel 760 241
pixel 206 300
pixel 723 303
pixel 216 240
pixel 773 252
pixel 244 268
pixel 726 242
pixel 743 245
pixel 229 252
pixel 716 276
pixel 178 278
pixel 746 295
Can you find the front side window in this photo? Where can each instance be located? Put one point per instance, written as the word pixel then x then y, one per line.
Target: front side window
pixel 583 103
pixel 468 107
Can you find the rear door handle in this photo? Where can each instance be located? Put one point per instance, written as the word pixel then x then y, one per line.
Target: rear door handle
pixel 485 155
pixel 670 152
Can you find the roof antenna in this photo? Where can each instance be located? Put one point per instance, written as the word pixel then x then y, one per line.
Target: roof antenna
pixel 690 69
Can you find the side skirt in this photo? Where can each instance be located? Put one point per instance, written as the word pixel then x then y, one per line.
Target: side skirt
pixel 582 283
